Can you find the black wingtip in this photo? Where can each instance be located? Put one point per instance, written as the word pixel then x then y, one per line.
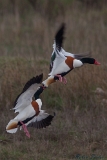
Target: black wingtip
pixel 60 36
pixel 43 123
pixel 38 79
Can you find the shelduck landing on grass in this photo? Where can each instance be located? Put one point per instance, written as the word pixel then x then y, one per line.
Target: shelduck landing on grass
pixel 28 104
pixel 63 62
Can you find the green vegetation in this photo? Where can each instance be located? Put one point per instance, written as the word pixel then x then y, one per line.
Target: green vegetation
pixel 26 37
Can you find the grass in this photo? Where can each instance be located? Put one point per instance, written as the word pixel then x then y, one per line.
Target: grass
pixel 80 124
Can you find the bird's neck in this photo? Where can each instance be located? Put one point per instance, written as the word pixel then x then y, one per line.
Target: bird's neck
pixel 38 92
pixel 88 60
pixel 35 97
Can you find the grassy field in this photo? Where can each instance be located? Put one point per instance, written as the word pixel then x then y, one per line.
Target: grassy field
pixel 79 129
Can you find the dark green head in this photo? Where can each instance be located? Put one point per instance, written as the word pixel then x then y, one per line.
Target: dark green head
pixel 38 92
pixel 90 61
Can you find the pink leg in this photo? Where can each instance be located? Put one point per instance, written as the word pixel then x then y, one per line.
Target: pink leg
pixel 25 129
pixel 60 77
pixel 64 80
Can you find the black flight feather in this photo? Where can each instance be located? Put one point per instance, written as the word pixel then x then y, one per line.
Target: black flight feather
pixel 60 36
pixel 37 79
pixel 43 123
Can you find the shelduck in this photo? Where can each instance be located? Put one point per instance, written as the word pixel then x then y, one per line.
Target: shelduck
pixel 63 62
pixel 28 105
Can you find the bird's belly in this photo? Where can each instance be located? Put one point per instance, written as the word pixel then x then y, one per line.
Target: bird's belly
pixel 61 68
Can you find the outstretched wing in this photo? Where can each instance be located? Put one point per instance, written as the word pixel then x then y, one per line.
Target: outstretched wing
pixel 57 57
pixel 25 97
pixel 59 37
pixel 41 121
pixel 76 56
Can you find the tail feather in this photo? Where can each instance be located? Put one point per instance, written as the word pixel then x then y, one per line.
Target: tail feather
pixel 12 126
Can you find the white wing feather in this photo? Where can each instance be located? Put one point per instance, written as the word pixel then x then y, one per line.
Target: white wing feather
pixel 67 53
pixel 59 59
pixel 25 113
pixel 25 98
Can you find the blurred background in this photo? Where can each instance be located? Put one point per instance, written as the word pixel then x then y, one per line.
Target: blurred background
pixel 27 30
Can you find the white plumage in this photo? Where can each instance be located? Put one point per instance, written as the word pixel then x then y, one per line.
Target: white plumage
pixel 28 104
